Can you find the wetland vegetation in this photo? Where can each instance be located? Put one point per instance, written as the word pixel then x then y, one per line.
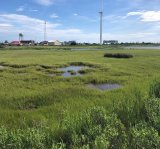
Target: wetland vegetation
pixel 42 109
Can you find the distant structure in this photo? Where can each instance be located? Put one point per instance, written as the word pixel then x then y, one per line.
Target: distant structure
pixel 20 36
pixel 54 43
pixel 43 43
pixel 109 42
pixel 15 43
pixel 101 24
pixel 45 31
pixel 27 42
pixel 71 43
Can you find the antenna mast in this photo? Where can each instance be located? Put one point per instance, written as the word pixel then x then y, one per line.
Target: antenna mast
pixel 101 24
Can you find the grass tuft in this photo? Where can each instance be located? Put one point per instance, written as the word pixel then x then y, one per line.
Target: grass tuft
pixel 118 55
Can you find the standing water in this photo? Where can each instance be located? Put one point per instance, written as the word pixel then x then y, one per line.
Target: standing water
pixel 72 70
pixel 105 86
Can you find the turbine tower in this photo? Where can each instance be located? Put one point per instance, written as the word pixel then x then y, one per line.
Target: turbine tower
pixel 101 24
pixel 45 31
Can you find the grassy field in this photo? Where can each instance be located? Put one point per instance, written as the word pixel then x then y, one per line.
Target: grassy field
pixel 30 97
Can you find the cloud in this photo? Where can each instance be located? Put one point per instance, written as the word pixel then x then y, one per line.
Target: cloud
pixel 5 25
pixel 85 18
pixel 54 15
pixel 20 9
pixel 25 8
pixel 33 10
pixel 75 14
pixel 45 2
pixel 146 16
pixel 33 28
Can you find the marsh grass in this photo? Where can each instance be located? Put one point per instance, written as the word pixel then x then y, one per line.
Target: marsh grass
pixel 72 72
pixel 35 99
pixel 155 89
pixel 118 55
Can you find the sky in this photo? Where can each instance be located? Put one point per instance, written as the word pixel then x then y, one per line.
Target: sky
pixel 123 20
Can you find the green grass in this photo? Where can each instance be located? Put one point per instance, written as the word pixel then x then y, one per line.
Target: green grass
pixel 24 81
pixel 29 97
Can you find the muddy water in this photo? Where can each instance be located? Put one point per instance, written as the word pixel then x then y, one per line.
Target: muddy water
pixel 105 86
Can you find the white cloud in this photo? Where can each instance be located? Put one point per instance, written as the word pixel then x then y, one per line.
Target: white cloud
pixel 75 14
pixel 54 15
pixel 45 2
pixel 5 25
pixel 20 9
pixel 146 16
pixel 85 18
pixel 33 28
pixel 33 10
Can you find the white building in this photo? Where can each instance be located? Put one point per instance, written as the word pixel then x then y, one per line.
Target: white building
pixel 54 43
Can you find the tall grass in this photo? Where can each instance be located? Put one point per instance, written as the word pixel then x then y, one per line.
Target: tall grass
pixel 155 89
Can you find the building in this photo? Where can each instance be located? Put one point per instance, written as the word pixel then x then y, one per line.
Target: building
pixel 43 43
pixel 70 43
pixel 109 42
pixel 15 43
pixel 54 43
pixel 27 42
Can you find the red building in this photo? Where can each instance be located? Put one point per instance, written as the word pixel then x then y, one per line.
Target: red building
pixel 15 43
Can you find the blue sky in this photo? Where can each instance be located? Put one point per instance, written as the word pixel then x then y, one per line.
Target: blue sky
pixel 124 20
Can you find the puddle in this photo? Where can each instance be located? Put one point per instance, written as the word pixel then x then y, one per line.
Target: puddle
pixel 71 71
pixel 144 47
pixel 68 74
pixel 72 68
pixel 1 67
pixel 105 86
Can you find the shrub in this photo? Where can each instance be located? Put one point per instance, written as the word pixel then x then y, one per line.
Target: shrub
pixel 155 89
pixel 33 138
pixel 1 45
pixel 143 136
pixel 92 128
pixel 101 142
pixel 118 55
pixel 10 140
pixel 152 107
pixel 58 146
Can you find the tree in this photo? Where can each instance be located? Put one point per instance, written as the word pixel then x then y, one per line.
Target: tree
pixel 6 42
pixel 20 36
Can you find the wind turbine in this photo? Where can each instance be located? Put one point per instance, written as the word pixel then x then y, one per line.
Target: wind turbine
pixel 45 31
pixel 101 22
